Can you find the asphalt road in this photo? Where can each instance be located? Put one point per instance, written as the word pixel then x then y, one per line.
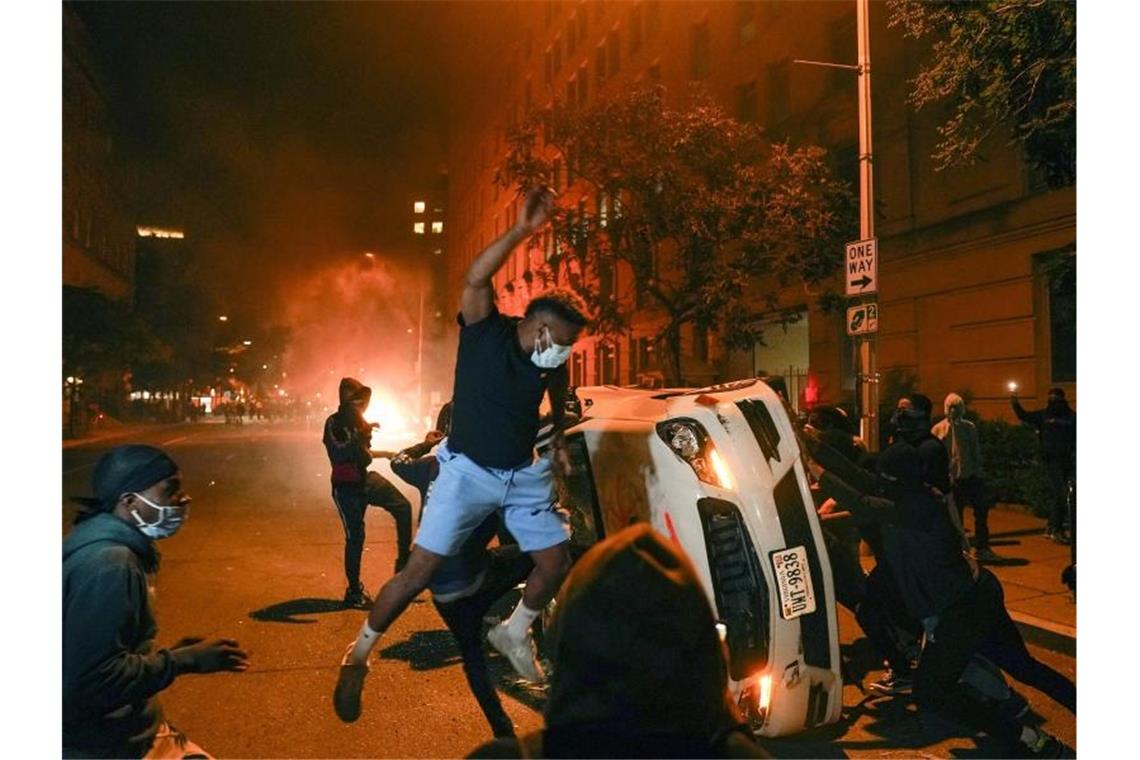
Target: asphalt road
pixel 259 559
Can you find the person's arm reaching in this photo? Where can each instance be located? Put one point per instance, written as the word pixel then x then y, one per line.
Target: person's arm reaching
pixel 1030 418
pixel 478 297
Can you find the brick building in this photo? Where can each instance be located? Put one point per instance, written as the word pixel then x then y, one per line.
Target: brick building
pixel 965 298
pixel 98 236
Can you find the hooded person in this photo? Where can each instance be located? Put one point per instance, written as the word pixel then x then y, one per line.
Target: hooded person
pixel 1056 427
pixel 348 439
pixel 960 616
pixel 638 667
pixel 112 671
pixel 959 436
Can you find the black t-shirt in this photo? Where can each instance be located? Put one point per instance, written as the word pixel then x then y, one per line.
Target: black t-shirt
pixel 498 390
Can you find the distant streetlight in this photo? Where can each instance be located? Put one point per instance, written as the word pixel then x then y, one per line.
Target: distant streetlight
pixel 247 342
pixel 223 318
pixel 369 255
pixel 265 366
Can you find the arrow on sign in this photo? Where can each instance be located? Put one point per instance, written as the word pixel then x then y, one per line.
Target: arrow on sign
pixel 861 283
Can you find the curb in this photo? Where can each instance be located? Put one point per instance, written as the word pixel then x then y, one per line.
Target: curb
pixel 1046 634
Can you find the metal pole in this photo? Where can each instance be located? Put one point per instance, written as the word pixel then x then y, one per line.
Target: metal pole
pixel 868 374
pixel 420 358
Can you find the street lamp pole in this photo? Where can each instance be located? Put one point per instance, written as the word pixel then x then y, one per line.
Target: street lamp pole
pixel 868 348
pixel 420 356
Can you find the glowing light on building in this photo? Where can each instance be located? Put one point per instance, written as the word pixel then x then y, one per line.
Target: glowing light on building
pixel 436 227
pixel 418 228
pixel 159 232
pixel 419 207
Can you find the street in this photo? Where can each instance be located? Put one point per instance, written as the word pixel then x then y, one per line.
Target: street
pixel 260 560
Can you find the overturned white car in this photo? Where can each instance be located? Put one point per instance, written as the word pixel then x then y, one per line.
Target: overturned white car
pixel 718 470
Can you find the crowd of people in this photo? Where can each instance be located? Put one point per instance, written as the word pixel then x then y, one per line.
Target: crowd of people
pixel 638 669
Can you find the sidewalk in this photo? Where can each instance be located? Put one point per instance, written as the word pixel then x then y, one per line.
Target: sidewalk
pixel 113 432
pixel 1037 601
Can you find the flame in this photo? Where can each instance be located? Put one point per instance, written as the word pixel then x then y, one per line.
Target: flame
pixel 383 410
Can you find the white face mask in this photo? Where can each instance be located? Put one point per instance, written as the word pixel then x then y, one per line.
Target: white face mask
pixel 552 356
pixel 170 519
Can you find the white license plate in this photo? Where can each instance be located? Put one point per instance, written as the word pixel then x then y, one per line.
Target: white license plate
pixel 793 578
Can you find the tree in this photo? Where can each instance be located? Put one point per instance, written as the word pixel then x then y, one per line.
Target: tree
pixel 699 206
pixel 1000 62
pixel 105 340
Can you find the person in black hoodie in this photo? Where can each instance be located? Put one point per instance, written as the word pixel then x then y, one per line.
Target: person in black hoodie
pixel 347 439
pixel 112 672
pixel 961 617
pixel 1056 426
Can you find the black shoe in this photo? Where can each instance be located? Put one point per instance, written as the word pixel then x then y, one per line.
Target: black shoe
pixel 892 682
pixel 356 597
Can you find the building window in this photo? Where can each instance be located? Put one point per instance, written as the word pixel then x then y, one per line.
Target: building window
pixel 636 26
pixel 1061 277
pixel 701 51
pixel 652 18
pixel 747 105
pixel 418 228
pixel 701 343
pixel 600 64
pixel 746 21
pixel 603 209
pixel 779 92
pixel 437 228
pixel 419 207
pixel 613 49
pixel 437 252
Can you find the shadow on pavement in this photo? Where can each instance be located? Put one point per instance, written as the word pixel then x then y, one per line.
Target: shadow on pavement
pixel 425 650
pixel 286 612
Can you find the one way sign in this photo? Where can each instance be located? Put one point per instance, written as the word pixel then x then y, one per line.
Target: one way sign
pixel 861 267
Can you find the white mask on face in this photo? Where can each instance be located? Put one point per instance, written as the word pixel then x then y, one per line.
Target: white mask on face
pixel 170 519
pixel 552 356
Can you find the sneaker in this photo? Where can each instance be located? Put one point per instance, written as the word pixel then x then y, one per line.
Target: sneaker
pixel 986 554
pixel 521 653
pixel 356 597
pixel 349 685
pixel 1015 706
pixel 892 683
pixel 1044 746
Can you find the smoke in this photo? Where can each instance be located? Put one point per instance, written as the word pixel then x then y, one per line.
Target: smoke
pixel 360 320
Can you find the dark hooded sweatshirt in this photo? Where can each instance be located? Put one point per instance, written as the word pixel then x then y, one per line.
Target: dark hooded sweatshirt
pixel 1056 426
pixel 111 673
pixel 920 543
pixel 347 437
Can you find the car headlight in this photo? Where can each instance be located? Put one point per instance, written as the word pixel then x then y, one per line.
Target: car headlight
pixel 689 440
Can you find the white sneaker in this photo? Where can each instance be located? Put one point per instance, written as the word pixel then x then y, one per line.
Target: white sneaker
pixel 521 653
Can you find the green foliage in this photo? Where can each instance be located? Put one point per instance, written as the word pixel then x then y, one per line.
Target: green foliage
pixel 699 205
pixel 1000 62
pixel 1014 470
pixel 101 335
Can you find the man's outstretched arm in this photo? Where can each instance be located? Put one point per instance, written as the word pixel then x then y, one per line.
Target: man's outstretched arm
pixel 478 296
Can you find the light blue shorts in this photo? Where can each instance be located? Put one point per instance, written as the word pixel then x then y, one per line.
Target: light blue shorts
pixel 464 494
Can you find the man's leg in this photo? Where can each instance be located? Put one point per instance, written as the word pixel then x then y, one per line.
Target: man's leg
pixel 464 618
pixel 530 513
pixel 382 493
pixel 1056 473
pixel 350 504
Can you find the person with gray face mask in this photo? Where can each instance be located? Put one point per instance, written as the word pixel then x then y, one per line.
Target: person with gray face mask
pixel 112 672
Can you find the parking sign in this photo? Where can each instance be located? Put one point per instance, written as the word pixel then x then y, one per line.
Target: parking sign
pixel 863 319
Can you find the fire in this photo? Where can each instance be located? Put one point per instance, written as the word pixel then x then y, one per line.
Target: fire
pixel 384 411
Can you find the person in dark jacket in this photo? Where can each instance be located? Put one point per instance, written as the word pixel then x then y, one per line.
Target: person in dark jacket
pixel 960 616
pixel 1056 426
pixel 347 439
pixel 112 670
pixel 639 670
